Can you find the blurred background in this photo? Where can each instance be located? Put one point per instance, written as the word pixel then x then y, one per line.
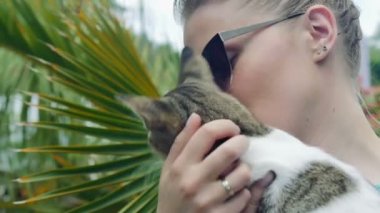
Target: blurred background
pixel 65 142
pixel 159 18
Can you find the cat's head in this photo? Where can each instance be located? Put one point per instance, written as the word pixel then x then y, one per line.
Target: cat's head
pixel 161 121
pixel 163 118
pixel 196 93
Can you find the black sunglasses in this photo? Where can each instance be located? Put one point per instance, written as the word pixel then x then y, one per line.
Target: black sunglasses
pixel 216 54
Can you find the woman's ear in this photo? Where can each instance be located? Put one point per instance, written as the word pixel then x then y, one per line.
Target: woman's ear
pixel 322 28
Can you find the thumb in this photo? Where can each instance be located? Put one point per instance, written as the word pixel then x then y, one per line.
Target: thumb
pixel 257 191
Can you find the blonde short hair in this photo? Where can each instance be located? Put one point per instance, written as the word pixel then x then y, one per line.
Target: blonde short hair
pixel 346 13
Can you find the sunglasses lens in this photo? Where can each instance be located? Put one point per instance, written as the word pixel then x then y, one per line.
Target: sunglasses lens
pixel 216 56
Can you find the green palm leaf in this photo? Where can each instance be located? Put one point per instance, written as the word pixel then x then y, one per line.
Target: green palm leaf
pixel 123 193
pixel 85 52
pixel 145 202
pixel 104 167
pixel 125 148
pixel 130 173
pixel 108 133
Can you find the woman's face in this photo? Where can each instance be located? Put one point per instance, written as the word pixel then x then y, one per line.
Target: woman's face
pixel 272 71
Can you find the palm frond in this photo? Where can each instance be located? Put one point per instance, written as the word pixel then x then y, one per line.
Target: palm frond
pixel 85 51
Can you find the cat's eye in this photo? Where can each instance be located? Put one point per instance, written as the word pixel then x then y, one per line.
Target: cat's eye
pixel 215 53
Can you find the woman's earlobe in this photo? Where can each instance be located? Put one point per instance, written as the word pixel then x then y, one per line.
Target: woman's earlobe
pixel 320 53
pixel 323 49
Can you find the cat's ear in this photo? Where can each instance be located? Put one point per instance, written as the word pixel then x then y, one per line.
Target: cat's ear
pixel 186 55
pixel 141 105
pixel 193 67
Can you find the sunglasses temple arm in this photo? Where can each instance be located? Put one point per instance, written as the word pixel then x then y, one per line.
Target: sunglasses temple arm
pixel 237 32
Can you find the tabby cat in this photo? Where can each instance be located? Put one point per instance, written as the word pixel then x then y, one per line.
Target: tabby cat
pixel 307 179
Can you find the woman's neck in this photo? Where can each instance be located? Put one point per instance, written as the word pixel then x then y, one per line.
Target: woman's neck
pixel 341 129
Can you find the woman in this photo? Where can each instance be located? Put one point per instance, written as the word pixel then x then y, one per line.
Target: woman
pixel 297 74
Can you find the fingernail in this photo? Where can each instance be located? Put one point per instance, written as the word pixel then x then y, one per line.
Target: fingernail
pixel 187 53
pixel 190 118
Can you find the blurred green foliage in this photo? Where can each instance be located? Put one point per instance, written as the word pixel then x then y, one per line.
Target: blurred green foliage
pixel 61 65
pixel 375 65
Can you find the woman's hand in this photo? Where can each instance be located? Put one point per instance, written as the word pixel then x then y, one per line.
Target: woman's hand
pixel 190 181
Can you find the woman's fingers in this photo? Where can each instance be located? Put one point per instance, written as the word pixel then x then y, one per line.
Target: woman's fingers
pixel 203 139
pixel 190 181
pixel 215 192
pixel 226 154
pixel 238 179
pixel 236 204
pixel 192 125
